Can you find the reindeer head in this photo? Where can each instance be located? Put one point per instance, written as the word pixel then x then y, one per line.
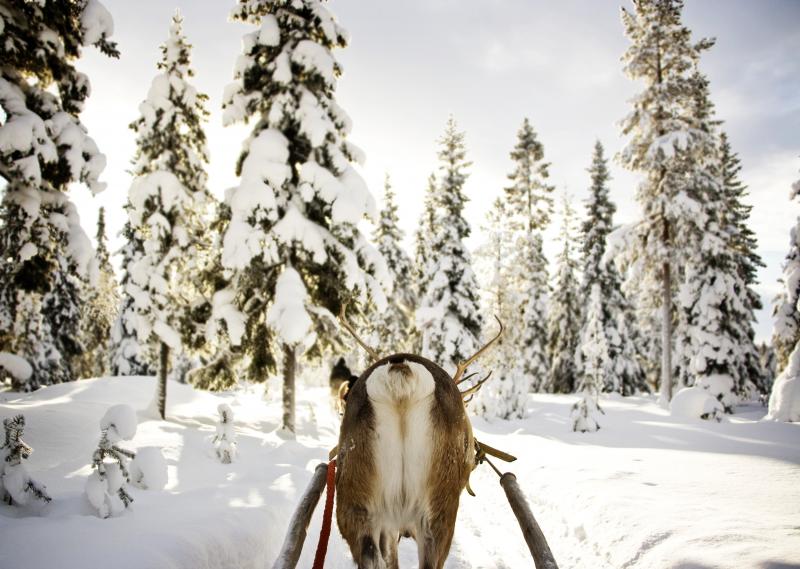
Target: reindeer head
pixel 458 376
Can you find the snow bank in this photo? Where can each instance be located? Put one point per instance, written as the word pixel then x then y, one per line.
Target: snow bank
pixel 696 403
pixel 16 366
pixel 148 469
pixel 784 401
pixel 647 491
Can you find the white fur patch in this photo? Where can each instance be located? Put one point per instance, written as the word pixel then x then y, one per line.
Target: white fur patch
pixel 403 439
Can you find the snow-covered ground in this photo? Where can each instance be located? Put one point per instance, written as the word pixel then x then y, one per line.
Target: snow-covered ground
pixel 647 490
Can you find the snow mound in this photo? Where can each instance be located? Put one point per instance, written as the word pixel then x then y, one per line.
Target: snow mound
pixel 784 401
pixel 120 422
pixel 16 366
pixel 696 403
pixel 148 469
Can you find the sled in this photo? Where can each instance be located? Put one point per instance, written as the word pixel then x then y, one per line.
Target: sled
pixel 298 526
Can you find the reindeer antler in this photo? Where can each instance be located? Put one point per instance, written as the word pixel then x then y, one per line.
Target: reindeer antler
pixel 461 368
pixel 343 320
pixel 470 391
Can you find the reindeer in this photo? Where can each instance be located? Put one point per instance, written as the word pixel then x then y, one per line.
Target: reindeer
pixel 406 451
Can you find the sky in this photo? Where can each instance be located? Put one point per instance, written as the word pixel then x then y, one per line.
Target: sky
pixel 489 63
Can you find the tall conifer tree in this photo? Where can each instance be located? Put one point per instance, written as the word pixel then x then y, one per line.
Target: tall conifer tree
pixel 717 303
pixel 100 311
pixel 615 319
pixel 449 314
pixel 43 149
pixel 786 316
pixel 292 245
pixel 563 324
pixel 393 326
pixel 660 147
pixel 529 205
pixel 167 200
pixel 746 259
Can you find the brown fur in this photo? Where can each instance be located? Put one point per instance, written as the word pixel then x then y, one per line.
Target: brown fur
pixel 451 463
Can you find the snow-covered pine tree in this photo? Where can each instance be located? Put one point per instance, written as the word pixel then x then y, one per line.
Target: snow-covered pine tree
pixel 769 365
pixel 662 56
pixel 529 205
pixel 30 327
pixel 225 439
pixel 785 313
pixel 43 149
pixel 292 245
pixel 106 487
pixel 564 317
pixel 393 326
pixel 625 376
pixel 166 201
pixel 506 394
pixel 747 261
pixel 127 355
pixel 99 312
pixel 423 236
pixel 16 485
pixel 597 364
pixel 715 300
pixel 449 315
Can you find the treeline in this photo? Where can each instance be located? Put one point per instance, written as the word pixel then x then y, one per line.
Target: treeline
pixel 214 292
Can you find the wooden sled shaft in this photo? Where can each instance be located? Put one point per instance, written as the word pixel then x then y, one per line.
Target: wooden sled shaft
pixel 542 556
pixel 298 526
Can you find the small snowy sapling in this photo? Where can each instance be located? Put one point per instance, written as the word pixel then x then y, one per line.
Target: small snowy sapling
pixel 16 485
pixel 106 485
pixel 225 439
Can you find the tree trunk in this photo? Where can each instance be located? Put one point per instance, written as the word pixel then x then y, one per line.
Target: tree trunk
pixel 666 336
pixel 289 368
pixel 162 380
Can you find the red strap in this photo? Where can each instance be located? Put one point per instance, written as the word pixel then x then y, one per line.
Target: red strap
pixel 327 516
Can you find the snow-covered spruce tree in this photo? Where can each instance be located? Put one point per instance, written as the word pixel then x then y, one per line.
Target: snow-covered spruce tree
pixel 44 148
pixel 127 355
pixel 597 364
pixel 449 315
pixel 293 247
pixel 99 312
pixel 529 205
pixel 423 237
pixel 16 485
pixel 506 394
pixel 166 201
pixel 29 328
pixel 225 439
pixel 393 326
pixel 564 317
pixel 714 297
pixel 784 400
pixel 662 56
pixel 106 487
pixel 747 261
pixel 769 365
pixel 625 375
pixel 785 312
